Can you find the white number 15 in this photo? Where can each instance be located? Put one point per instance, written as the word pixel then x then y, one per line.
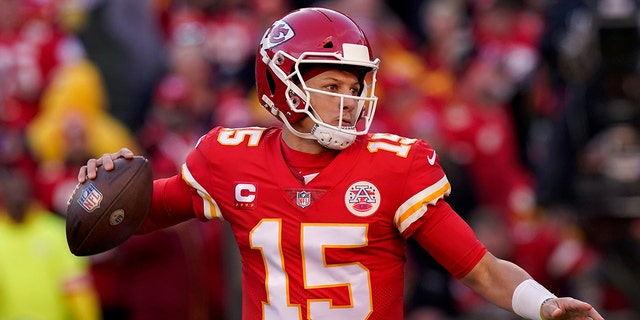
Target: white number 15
pixel 317 273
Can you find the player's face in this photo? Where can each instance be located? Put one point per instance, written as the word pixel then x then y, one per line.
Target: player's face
pixel 329 107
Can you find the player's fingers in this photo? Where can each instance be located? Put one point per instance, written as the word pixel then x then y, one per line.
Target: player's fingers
pixel 594 315
pixel 90 169
pixel 124 153
pixel 569 308
pixel 82 174
pixel 107 160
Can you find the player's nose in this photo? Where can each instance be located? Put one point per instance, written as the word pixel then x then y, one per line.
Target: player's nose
pixel 349 103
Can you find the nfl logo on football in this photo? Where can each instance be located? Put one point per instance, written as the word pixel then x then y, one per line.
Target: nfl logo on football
pixel 90 198
pixel 303 199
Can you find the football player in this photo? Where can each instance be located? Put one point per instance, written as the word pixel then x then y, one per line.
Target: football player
pixel 321 209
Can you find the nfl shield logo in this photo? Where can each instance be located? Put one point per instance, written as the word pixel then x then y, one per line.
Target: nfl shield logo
pixel 303 199
pixel 90 198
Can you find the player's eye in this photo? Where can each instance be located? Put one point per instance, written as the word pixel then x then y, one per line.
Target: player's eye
pixel 332 87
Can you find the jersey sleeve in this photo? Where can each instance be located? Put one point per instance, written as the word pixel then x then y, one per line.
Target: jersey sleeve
pixel 425 186
pixel 197 172
pixel 170 204
pixel 428 218
pixel 450 240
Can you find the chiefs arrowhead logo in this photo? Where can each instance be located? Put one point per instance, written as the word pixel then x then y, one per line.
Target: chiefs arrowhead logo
pixel 279 32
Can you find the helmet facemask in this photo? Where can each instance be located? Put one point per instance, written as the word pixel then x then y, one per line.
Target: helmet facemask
pixel 298 94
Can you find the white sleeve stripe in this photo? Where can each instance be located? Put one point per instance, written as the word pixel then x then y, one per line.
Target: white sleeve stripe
pixel 416 206
pixel 211 209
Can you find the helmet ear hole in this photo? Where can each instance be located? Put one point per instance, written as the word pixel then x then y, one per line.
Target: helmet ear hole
pixel 295 101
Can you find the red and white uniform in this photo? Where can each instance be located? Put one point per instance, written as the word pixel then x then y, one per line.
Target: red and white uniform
pixel 333 248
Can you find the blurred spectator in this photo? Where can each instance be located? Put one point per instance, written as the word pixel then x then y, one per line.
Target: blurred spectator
pixel 173 125
pixel 73 125
pixel 191 80
pixel 448 42
pixel 229 45
pixel 380 24
pixel 507 33
pixel 592 53
pixel 14 152
pixel 32 46
pixel 479 134
pixel 39 277
pixel 211 49
pixel 265 12
pixel 124 39
pixel 75 102
pixel 587 160
pixel 607 189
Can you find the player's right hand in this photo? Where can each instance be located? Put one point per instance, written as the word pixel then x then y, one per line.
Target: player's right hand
pixel 89 171
pixel 568 309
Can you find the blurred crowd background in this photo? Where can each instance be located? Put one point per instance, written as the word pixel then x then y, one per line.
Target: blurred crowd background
pixel 533 106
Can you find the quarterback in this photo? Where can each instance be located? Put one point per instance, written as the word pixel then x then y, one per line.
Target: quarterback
pixel 321 208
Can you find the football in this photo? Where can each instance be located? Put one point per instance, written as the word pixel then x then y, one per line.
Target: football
pixel 104 212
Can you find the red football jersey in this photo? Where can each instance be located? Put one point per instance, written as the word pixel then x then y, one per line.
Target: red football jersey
pixel 335 247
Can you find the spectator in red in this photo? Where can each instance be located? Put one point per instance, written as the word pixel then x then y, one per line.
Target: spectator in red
pixel 32 46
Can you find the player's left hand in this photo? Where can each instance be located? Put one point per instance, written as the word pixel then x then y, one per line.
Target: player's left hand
pixel 569 309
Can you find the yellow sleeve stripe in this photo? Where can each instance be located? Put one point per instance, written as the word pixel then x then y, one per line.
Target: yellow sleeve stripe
pixel 414 208
pixel 210 207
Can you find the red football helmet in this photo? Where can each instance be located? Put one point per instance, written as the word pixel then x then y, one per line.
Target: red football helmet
pixel 314 36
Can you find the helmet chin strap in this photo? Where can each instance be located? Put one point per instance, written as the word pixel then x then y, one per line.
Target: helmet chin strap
pixel 331 138
pixel 327 137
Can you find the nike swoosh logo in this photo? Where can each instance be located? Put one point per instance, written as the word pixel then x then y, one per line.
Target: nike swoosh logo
pixel 432 158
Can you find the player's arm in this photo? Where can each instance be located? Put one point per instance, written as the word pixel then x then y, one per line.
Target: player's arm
pixel 170 204
pixel 510 287
pixel 499 281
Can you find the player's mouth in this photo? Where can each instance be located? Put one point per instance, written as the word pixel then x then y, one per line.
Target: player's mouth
pixel 347 127
pixel 346 123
